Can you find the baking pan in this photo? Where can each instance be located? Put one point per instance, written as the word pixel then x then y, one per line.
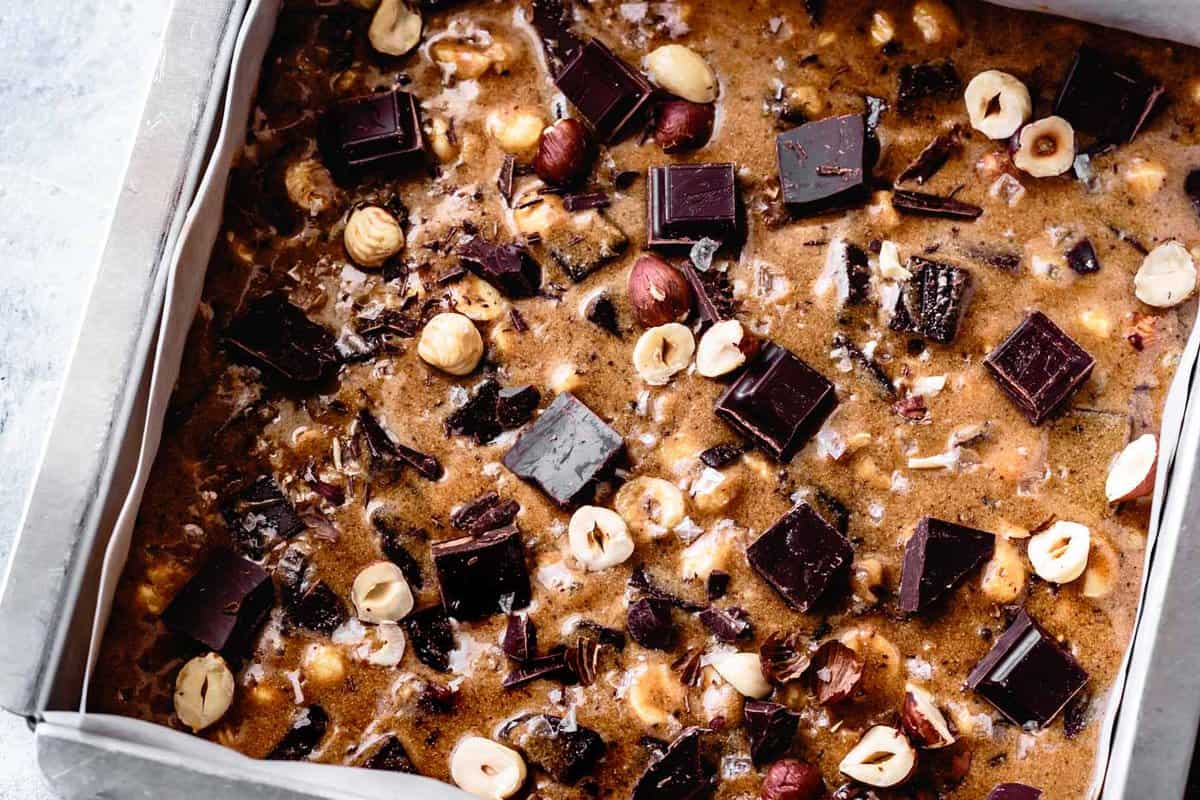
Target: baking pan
pixel 67 556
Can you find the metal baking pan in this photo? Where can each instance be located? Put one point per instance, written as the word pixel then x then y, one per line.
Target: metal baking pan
pixel 50 594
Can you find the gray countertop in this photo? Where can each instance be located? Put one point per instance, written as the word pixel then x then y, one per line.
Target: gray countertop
pixel 72 93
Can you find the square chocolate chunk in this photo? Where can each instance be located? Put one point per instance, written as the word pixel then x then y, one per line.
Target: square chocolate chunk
pixel 932 302
pixel 1027 675
pixel 688 202
pixel 565 451
pixel 802 556
pixel 1109 102
pixel 223 605
pixel 482 575
pixel 259 514
pixel 607 92
pixel 778 402
pixel 938 555
pixel 823 165
pixel 378 132
pixel 1039 367
pixel 276 336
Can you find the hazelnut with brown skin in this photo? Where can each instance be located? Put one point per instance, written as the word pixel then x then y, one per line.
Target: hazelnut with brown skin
pixel 658 292
pixel 792 779
pixel 682 125
pixel 564 152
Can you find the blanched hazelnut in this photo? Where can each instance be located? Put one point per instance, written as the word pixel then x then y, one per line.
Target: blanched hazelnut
pixel 535 215
pixel 663 351
pixel 683 125
pixel 710 553
pixel 372 236
pixel 658 293
pixel 1059 554
pixel 599 538
pixel 1046 147
pixel 997 104
pixel 564 152
pixel 1167 276
pixel 723 348
pixel 714 490
pixel 1144 177
pixel 381 593
pixel 683 72
pixel 743 671
pixel 1103 569
pixel 451 342
pixel 883 28
pixel 487 769
pixel 936 22
pixel 468 61
pixel 1004 574
pixel 309 185
pixel 655 694
pixel 650 506
pixel 442 141
pixel 477 299
pixel 396 27
pixel 882 758
pixel 324 665
pixel 203 691
pixel 518 131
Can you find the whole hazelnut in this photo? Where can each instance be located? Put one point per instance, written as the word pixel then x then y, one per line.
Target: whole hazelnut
pixel 792 779
pixel 564 152
pixel 683 125
pixel 658 292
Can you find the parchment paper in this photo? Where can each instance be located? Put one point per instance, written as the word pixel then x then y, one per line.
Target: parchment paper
pixel 1177 19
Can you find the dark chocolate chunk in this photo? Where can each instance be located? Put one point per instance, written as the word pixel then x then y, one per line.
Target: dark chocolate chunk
pixel 318 609
pixel 566 752
pixel 933 157
pixel 727 624
pixel 582 201
pixel 1107 101
pixel 717 584
pixel 223 605
pixel 479 576
pixel 778 402
pixel 259 514
pixel 551 667
pixel 1077 714
pixel 922 81
pixel 640 579
pixel 276 336
pixel 1027 675
pixel 477 417
pixel 1191 187
pixel 815 10
pixel 432 637
pixel 650 623
pixel 721 455
pixel 682 772
pixel 552 21
pixel 823 165
pixel 508 267
pixel 802 556
pixel 1014 791
pixel 1039 367
pixel 939 555
pixel 784 657
pixel 388 452
pixel 520 638
pixel 922 204
pixel 307 731
pixel 565 451
pixel 583 659
pixel 1082 258
pixel 602 312
pixel 515 405
pixel 834 672
pixel 608 93
pixel 866 367
pixel 690 202
pixel 770 728
pixel 485 513
pixel 504 181
pixel 437 698
pixel 993 256
pixel 391 757
pixel 932 302
pixel 378 133
pixel 580 251
pixel 397 540
pixel 712 291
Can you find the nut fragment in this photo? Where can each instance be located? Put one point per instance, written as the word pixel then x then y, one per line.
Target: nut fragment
pixel 395 28
pixel 487 769
pixel 324 665
pixel 792 779
pixel 372 236
pixel 923 720
pixel 309 185
pixel 650 506
pixel 1144 177
pixel 1059 554
pixel 683 125
pixel 539 215
pixel 883 28
pixel 935 21
pixel 997 104
pixel 564 152
pixel 1046 147
pixel 710 553
pixel 451 342
pixel 1100 577
pixel 477 299
pixel 682 72
pixel 882 758
pixel 1004 574
pixel 442 140
pixel 658 293
pixel 467 61
pixel 722 349
pixel 655 694
pixel 866 579
pixel 1131 474
pixel 517 132
pixel 1167 276
pixel 743 671
pixel 714 490
pixel 203 691
pixel 381 593
pixel 599 538
pixel 663 351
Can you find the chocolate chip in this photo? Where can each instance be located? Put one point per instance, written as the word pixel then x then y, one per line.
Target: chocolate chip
pixel 602 312
pixel 802 556
pixel 770 728
pixel 1107 101
pixel 923 81
pixel 479 576
pixel 1027 675
pixel 866 367
pixel 388 453
pixel 712 292
pixel 391 757
pixel 922 204
pixel 933 301
pixel 379 133
pixel 938 555
pixel 1082 257
pixel 276 336
pixel 223 605
pixel 508 267
pixel 778 402
pixel 552 666
pixel 580 251
pixel 682 771
pixel 258 514
pixel 815 10
pixel 485 513
pixel 933 157
pixel 318 609
pixel 520 638
pixel 727 624
pixel 721 455
pixel 565 451
pixel 689 202
pixel 1014 791
pixel 1039 367
pixel 566 752
pixel 477 417
pixel 610 94
pixel 640 579
pixel 432 637
pixel 307 731
pixel 650 624
pixel 823 165
pixel 515 405
pixel 834 672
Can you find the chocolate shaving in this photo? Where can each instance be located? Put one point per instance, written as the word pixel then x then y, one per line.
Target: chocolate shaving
pixel 867 367
pixel 650 624
pixel 834 672
pixel 727 624
pixel 912 408
pixel 520 638
pixel 602 633
pixel 485 513
pixel 552 666
pixel 993 256
pixel 1191 187
pixel 307 731
pixel 583 660
pixel 384 448
pixel 504 182
pixel 641 580
pixel 783 657
pixel 518 322
pixel 689 666
pixel 714 295
pixel 586 200
pixel 931 205
pixel 933 157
